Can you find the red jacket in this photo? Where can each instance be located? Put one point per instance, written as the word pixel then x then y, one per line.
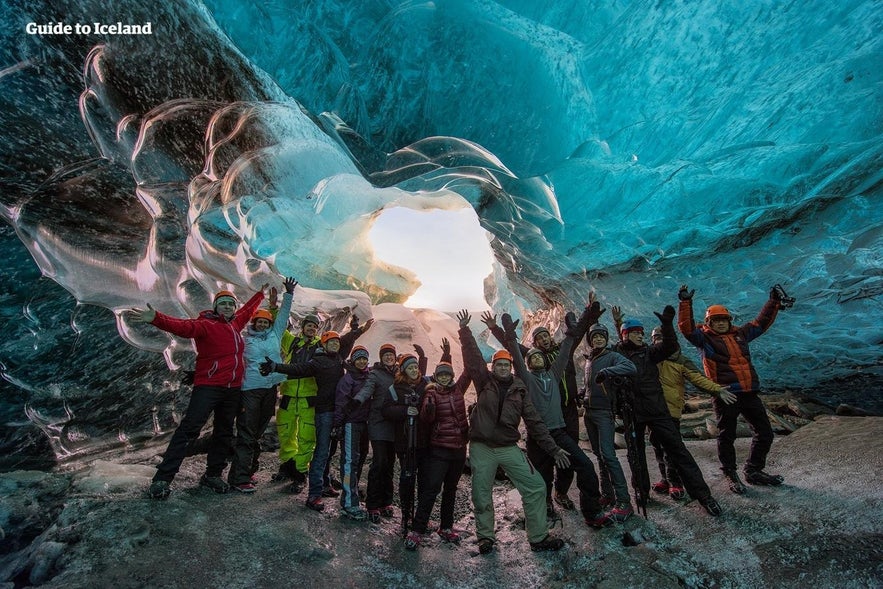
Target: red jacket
pixel 445 413
pixel 725 356
pixel 219 344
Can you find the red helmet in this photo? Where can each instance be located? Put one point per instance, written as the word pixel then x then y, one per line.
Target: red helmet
pixel 262 314
pixel 501 355
pixel 328 335
pixel 717 311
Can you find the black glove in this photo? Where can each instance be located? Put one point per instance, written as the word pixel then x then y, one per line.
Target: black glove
pixel 594 313
pixel 289 285
pixel 775 294
pixel 684 294
pixel 354 322
pixel 267 367
pixel 419 350
pixel 509 326
pixel 581 397
pixel 446 347
pixel 337 433
pixel 601 376
pixel 463 317
pixel 571 325
pixel 668 315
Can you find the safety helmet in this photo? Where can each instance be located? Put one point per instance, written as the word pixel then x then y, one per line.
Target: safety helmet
pixel 262 314
pixel 222 294
pixel 631 325
pixel 405 360
pixel 501 355
pixel 444 368
pixel 311 318
pixel 717 311
pixel 532 352
pixel 359 352
pixel 538 330
pixel 387 348
pixel 598 328
pixel 328 335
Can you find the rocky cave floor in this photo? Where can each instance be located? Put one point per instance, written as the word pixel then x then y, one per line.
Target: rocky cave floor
pixel 93 526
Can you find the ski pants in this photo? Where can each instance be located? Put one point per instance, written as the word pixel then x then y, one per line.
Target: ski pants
pixel 296 425
pixel 255 411
pixel 749 405
pixel 204 401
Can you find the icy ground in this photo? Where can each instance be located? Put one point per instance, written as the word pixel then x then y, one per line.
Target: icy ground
pixel 822 529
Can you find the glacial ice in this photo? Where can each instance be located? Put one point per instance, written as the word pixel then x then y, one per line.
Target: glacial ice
pixel 627 147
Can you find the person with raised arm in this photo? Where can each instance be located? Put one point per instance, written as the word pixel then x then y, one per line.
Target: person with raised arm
pixel 217 382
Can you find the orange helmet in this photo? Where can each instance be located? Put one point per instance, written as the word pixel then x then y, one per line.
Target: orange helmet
pixel 501 355
pixel 328 335
pixel 717 311
pixel 222 294
pixel 262 314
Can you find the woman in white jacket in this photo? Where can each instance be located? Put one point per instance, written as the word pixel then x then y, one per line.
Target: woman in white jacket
pixel 263 338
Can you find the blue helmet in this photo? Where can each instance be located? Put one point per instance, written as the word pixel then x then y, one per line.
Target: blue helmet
pixel 631 325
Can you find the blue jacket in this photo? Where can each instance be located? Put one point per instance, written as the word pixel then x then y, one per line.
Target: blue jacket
pixel 259 344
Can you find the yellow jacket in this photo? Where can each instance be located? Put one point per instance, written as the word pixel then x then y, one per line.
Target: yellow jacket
pixel 673 373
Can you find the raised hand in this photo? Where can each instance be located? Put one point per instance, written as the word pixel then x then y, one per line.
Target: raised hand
pixel 143 315
pixel 264 287
pixel 509 325
pixel 289 285
pixel 570 324
pixel 616 311
pixel 446 347
pixel 267 367
pixel 273 298
pixel 419 350
pixel 685 294
pixel 489 319
pixel 463 317
pixel 668 315
pixel 368 325
pixel 354 322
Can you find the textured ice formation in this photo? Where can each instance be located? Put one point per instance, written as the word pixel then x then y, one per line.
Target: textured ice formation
pixel 627 147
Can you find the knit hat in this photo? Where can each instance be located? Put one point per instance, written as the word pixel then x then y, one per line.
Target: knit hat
pixel 311 318
pixel 406 360
pixel 359 352
pixel 538 330
pixel 222 294
pixel 444 368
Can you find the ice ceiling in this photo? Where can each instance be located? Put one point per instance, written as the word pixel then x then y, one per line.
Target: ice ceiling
pixel 622 146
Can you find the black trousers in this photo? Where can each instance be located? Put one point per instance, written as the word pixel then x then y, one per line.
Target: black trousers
pixel 752 409
pixel 439 473
pixel 586 479
pixel 204 401
pixel 564 476
pixel 667 468
pixel 663 429
pixel 256 409
pixel 380 485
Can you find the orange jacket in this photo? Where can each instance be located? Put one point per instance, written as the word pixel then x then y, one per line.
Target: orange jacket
pixel 725 356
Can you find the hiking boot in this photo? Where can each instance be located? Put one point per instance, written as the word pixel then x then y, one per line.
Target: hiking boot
pixel 449 535
pixel 245 488
pixel 711 506
pixel 412 540
pixel 550 512
pixel 296 487
pixel 620 513
pixel 599 520
pixel 759 477
pixel 547 543
pixel 676 492
pixel 286 472
pixel 485 546
pixel 660 487
pixel 330 492
pixel 216 484
pixel 387 511
pixel 356 513
pixel 159 490
pixel 564 501
pixel 374 516
pixel 253 479
pixel 736 484
pixel 315 503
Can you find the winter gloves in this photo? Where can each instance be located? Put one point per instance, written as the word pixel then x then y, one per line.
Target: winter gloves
pixel 267 367
pixel 668 315
pixel 289 285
